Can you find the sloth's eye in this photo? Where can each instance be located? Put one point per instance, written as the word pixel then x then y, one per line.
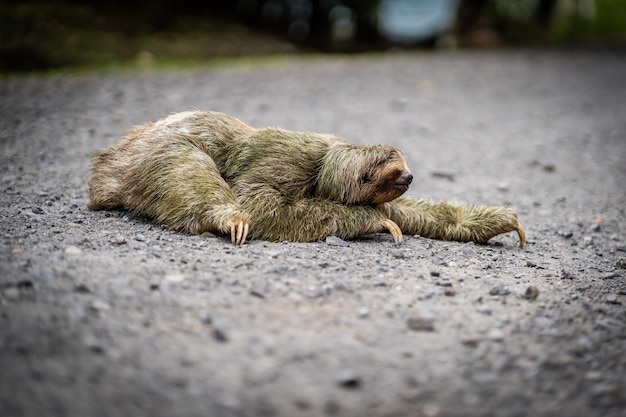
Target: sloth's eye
pixel 396 173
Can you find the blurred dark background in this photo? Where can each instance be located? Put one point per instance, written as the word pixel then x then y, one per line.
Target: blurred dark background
pixel 55 34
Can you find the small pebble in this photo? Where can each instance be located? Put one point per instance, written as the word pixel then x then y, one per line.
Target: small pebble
pixel 594 228
pixel 82 289
pixel 349 380
pixel 566 234
pixel 99 305
pixel 470 341
pixel 485 310
pixel 532 292
pixel 438 260
pixel 175 277
pixel 468 251
pixel 594 376
pixel 93 344
pixel 37 210
pixel 612 299
pixel 499 289
pixel 257 294
pixel 119 240
pixel 496 335
pixel 502 186
pixel 335 241
pixel 11 293
pixel 565 274
pixel 73 250
pixel 206 317
pixel 25 284
pixel 219 336
pixel 421 323
pixel 398 104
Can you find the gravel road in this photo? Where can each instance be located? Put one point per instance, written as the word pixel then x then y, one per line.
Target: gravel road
pixel 108 314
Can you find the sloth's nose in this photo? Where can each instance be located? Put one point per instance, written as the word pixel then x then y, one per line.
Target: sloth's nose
pixel 407 178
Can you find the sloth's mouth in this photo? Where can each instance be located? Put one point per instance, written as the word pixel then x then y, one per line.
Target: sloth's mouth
pixel 401 186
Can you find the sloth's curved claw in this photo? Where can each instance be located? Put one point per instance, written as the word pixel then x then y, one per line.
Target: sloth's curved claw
pixel 394 229
pixel 244 234
pixel 522 235
pixel 233 233
pixel 239 232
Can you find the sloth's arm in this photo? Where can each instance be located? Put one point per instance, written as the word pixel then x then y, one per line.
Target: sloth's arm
pixel 275 218
pixel 451 221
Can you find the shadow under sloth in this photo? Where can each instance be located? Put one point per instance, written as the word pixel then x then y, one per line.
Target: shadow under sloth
pixel 202 172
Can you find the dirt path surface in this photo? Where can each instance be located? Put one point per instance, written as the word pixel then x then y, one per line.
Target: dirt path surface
pixel 107 314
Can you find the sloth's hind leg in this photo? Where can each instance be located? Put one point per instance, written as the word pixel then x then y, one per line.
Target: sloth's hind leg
pixel 450 221
pixel 182 188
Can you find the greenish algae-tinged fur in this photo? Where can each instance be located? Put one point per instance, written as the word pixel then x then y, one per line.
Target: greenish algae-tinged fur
pixel 201 171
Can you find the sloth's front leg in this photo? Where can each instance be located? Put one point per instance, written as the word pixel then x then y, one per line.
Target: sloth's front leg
pixel 451 221
pixel 275 217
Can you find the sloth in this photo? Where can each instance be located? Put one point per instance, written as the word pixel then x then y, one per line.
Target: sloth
pixel 198 171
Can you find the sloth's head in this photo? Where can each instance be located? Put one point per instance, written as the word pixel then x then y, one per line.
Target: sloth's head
pixel 352 174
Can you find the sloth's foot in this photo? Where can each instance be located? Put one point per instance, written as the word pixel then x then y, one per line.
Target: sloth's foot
pixel 394 229
pixel 488 222
pixel 509 223
pixel 522 235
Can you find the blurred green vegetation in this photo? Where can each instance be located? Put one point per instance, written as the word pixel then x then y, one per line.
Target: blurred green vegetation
pixel 606 23
pixel 37 35
pixel 51 35
pixel 569 22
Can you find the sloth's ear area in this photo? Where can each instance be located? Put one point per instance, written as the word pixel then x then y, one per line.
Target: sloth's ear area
pixel 366 177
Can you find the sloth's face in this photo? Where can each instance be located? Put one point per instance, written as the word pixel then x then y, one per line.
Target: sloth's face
pixel 358 174
pixel 386 179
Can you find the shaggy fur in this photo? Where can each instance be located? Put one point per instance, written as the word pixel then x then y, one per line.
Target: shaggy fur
pixel 205 171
